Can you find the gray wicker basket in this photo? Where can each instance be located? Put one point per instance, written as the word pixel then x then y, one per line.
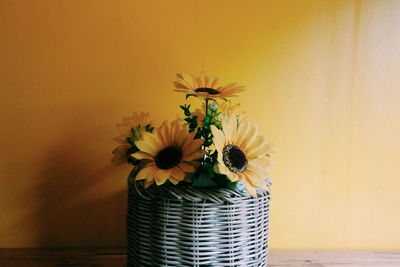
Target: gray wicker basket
pixel 186 226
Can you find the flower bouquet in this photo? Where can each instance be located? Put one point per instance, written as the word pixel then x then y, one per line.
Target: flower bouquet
pixel 198 191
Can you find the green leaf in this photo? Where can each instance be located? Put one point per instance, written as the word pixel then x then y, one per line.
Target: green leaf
pixel 132 149
pixel 197 136
pixel 135 134
pixel 132 160
pixel 223 181
pixel 203 181
pixel 130 140
pixel 148 128
pixel 207 143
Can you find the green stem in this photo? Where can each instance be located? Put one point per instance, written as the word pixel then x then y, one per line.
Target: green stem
pixel 206 137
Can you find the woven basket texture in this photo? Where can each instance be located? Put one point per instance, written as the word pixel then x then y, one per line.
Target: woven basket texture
pixel 186 226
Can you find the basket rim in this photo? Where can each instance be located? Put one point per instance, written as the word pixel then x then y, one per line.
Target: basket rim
pixel 186 192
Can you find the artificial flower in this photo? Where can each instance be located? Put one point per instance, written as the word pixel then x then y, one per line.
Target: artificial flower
pixel 131 127
pixel 242 153
pixel 170 151
pixel 204 87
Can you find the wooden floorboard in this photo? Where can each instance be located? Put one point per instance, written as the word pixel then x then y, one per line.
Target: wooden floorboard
pixel 62 257
pixel 334 258
pixel 117 257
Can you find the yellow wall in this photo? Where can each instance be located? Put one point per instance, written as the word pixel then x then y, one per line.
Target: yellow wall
pixel 324 86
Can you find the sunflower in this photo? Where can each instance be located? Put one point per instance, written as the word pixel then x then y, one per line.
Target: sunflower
pixel 242 153
pixel 170 152
pixel 131 127
pixel 203 86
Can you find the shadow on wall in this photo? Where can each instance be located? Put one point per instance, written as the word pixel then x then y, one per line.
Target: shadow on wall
pixel 79 203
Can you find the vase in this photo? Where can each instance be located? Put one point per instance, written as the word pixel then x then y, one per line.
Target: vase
pixel 183 225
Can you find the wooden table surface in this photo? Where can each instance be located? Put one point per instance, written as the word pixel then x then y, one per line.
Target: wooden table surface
pixel 117 257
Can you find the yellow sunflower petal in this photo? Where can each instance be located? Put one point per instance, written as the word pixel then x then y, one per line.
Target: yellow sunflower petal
pixel 186 167
pixel 241 133
pixel 187 139
pixel 177 173
pixel 250 188
pixel 229 127
pixel 232 176
pixel 142 155
pixel 181 91
pixel 173 180
pixel 179 85
pixel 174 128
pixel 161 176
pixel 250 134
pixel 164 134
pixel 193 156
pixel 222 168
pixel 255 179
pixel 144 172
pixel 152 140
pixel 259 183
pixel 233 130
pixel 180 139
pixel 218 138
pixel 262 162
pixel 191 146
pixel 260 171
pixel 147 147
pixel 177 134
pixel 148 182
pixel 259 151
pixel 186 80
pixel 232 88
pixel 254 144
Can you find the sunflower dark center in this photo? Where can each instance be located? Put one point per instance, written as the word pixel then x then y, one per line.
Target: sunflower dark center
pixel 168 158
pixel 210 91
pixel 234 158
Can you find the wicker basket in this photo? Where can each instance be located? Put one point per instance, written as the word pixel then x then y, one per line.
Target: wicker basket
pixel 186 226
